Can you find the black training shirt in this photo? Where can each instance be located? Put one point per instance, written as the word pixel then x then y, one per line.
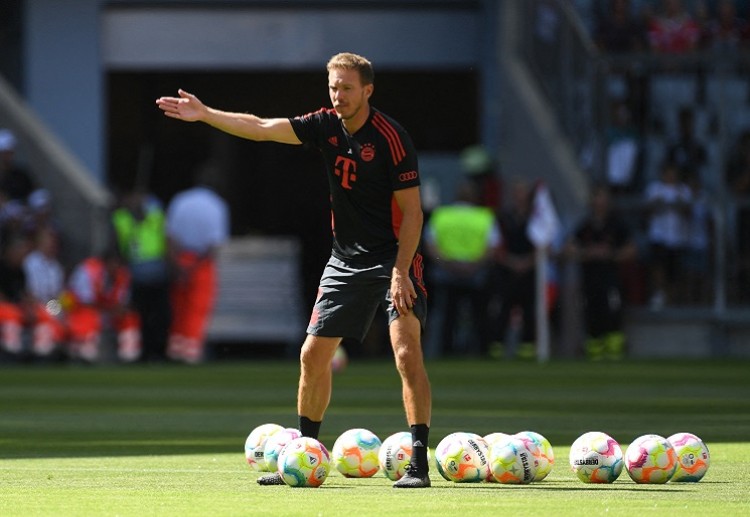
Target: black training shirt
pixel 364 170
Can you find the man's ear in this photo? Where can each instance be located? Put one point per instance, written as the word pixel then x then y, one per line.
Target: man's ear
pixel 369 88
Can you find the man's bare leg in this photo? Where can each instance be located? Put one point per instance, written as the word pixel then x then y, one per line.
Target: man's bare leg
pixel 314 390
pixel 405 334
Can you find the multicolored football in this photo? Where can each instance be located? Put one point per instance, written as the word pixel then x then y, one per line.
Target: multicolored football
pixel 355 453
pixel 304 462
pixel 693 458
pixel 596 457
pixel 650 459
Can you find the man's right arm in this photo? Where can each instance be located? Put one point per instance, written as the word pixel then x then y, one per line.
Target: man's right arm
pixel 189 108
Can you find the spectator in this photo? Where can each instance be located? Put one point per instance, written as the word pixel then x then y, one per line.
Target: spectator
pixel 668 201
pixel 618 31
pixel 15 182
pixel 45 281
pixel 461 239
pixel 197 224
pixel 12 297
pixel 39 214
pixel 140 229
pixel 602 242
pixel 517 273
pixel 727 31
pixel 98 299
pixel 687 152
pixel 623 150
pixel 674 31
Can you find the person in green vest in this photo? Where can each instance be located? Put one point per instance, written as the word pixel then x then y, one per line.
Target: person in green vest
pixel 140 231
pixel 461 239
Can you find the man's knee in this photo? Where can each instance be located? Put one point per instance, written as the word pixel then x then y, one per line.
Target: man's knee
pixel 317 352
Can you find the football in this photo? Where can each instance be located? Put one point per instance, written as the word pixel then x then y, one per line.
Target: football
pixel 304 462
pixel 275 443
pixel 514 460
pixel 546 454
pixel 693 458
pixel 463 458
pixel 596 457
pixel 355 453
pixel 650 459
pixel 395 455
pixel 255 445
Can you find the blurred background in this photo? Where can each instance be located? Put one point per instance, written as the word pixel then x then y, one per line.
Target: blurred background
pixel 648 100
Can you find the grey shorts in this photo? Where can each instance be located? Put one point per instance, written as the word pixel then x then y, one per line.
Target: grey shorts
pixel 349 296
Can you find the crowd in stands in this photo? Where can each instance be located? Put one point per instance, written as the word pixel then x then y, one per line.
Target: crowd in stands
pixel 125 303
pixel 671 26
pixel 658 148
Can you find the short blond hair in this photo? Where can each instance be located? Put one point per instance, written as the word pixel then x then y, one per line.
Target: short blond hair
pixel 349 61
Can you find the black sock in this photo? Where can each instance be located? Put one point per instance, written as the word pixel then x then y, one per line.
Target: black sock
pixel 308 428
pixel 419 436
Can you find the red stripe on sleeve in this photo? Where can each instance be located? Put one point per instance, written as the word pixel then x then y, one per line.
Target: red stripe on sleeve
pixel 391 135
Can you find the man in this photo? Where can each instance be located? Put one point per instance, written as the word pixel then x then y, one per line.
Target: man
pixel 197 224
pixel 602 242
pixel 377 222
pixel 140 229
pixel 462 238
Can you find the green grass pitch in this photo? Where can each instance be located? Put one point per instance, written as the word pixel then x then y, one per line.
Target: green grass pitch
pixel 168 440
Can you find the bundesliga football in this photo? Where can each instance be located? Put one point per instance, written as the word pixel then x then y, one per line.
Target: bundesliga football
pixel 463 458
pixel 650 459
pixel 546 456
pixel 596 457
pixel 693 458
pixel 395 455
pixel 514 461
pixel 355 453
pixel 304 462
pixel 275 443
pixel 255 445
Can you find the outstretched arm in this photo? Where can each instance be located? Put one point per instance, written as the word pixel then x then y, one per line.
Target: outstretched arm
pixel 189 108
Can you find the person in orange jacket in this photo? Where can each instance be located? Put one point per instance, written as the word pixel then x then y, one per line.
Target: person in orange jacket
pixel 98 296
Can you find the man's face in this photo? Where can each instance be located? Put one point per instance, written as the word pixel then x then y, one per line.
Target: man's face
pixel 348 94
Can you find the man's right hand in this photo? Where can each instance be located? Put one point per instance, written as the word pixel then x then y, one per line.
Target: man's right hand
pixel 186 107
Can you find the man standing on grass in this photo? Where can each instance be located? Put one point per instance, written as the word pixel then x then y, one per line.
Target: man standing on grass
pixel 377 223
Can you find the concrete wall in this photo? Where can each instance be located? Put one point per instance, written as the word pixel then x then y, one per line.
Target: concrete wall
pixel 64 80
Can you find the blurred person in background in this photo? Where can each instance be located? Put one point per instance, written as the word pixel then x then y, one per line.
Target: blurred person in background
pixel 140 229
pixel 97 299
pixel 668 202
pixel 45 282
pixel 516 273
pixel 462 239
pixel 601 243
pixel 197 225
